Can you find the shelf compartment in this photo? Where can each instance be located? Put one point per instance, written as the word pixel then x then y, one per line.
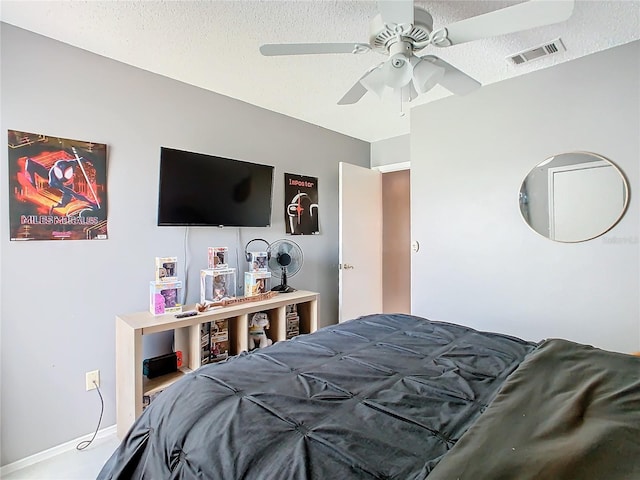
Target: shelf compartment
pixel 154 385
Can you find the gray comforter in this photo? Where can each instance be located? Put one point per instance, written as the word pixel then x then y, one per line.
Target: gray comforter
pixel 384 396
pixel 569 412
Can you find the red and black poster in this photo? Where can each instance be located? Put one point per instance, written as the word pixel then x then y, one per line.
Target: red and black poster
pixel 301 204
pixel 57 188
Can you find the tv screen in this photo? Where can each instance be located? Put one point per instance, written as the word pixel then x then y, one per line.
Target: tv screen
pixel 199 189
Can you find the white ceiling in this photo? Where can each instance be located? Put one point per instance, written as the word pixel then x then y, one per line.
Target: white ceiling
pixel 214 45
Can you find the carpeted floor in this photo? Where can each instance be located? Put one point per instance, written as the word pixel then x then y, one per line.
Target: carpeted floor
pixel 71 465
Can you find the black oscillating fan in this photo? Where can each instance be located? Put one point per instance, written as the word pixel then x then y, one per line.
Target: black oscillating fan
pixel 285 260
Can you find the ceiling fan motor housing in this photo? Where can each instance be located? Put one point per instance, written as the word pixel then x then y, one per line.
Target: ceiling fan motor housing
pixel 382 36
pixel 399 53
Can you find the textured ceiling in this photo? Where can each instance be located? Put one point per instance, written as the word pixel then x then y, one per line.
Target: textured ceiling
pixel 214 45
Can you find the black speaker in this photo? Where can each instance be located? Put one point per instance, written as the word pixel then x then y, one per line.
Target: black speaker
pixel 247 255
pixel 156 366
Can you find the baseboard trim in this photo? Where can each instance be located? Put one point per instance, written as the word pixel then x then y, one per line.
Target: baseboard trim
pixel 53 451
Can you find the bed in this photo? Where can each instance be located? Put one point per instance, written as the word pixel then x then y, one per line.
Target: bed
pixel 395 397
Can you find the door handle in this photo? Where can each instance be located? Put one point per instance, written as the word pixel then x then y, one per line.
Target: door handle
pixel 346 266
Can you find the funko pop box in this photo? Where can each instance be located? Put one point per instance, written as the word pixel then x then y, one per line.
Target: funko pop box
pixel 165 297
pixel 166 269
pixel 217 285
pixel 256 283
pixel 217 258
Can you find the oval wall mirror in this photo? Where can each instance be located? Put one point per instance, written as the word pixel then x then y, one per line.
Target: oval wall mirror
pixel 574 196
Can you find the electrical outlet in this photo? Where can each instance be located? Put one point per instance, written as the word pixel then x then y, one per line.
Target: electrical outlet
pixel 92 377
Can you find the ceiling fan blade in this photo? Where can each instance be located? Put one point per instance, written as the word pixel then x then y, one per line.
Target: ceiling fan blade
pixel 396 12
pixel 523 16
pixel 354 94
pixel 454 80
pixel 272 49
pixel 358 90
pixel 375 80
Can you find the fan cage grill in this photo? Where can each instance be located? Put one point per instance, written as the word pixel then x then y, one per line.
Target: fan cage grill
pixel 293 249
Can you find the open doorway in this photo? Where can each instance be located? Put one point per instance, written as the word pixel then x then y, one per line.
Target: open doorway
pixel 396 242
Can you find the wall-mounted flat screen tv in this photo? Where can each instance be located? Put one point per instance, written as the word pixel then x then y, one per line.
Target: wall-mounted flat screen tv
pixel 206 190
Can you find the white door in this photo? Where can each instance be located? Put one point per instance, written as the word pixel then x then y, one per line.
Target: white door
pixel 360 225
pixel 584 200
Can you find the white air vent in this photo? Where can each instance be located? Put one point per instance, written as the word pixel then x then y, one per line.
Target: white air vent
pixel 538 52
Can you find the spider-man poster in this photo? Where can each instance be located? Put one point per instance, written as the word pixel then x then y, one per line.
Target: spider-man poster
pixel 57 188
pixel 301 204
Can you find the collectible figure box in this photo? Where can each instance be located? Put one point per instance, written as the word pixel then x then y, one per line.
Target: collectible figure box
pixel 147 399
pixel 258 262
pixel 293 321
pixel 165 297
pixel 217 285
pixel 214 341
pixel 166 269
pixel 293 327
pixel 219 340
pixel 256 283
pixel 205 342
pixel 217 258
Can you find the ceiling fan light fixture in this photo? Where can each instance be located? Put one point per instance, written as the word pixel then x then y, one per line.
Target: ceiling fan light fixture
pixel 426 75
pixel 398 71
pixel 374 81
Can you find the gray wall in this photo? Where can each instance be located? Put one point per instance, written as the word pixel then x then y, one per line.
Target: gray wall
pixel 479 263
pixel 59 299
pixel 390 151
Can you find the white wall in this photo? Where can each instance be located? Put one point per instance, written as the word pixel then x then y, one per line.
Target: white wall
pixel 479 263
pixel 59 299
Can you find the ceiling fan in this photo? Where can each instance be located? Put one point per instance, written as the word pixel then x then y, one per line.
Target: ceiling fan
pixel 401 30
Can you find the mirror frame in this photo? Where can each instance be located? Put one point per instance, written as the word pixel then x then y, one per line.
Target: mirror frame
pixel 598 157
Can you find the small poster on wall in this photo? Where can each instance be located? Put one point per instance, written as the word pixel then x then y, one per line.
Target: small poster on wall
pixel 301 204
pixel 57 188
